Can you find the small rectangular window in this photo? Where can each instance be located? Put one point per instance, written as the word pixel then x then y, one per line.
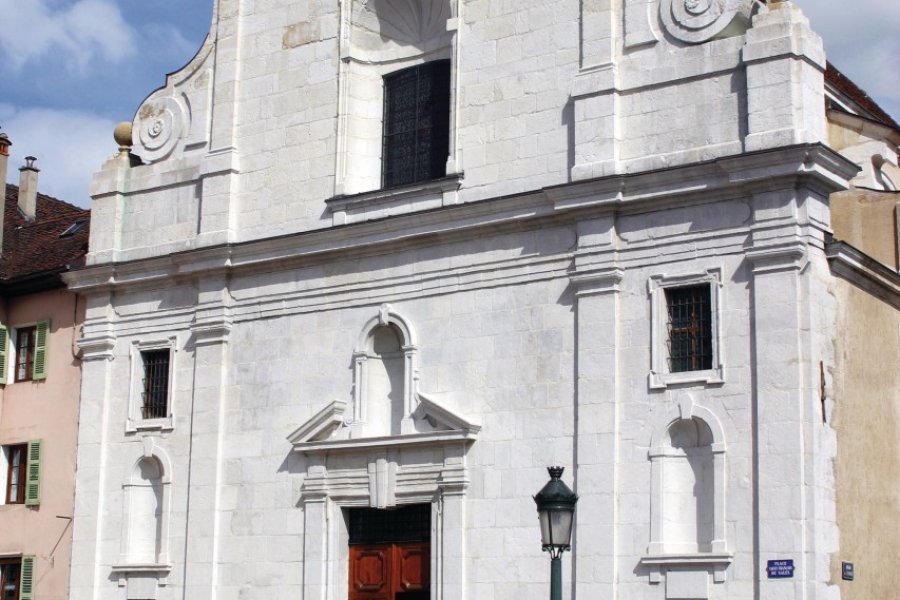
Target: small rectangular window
pixel 10 578
pixel 151 385
pixel 17 461
pixel 416 123
pixel 689 328
pixel 155 384
pixel 25 344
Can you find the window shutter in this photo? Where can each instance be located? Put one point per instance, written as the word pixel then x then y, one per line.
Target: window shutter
pixel 26 579
pixel 42 336
pixel 4 345
pixel 33 474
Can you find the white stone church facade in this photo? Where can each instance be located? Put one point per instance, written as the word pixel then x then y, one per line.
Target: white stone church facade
pixel 367 256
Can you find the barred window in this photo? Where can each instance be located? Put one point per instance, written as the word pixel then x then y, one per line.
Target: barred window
pixel 155 394
pixel 689 328
pixel 404 524
pixel 416 123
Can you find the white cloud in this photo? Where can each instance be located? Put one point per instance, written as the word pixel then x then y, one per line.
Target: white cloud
pixel 69 145
pixel 76 34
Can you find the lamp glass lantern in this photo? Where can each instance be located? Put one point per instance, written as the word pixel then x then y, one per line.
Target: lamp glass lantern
pixel 556 511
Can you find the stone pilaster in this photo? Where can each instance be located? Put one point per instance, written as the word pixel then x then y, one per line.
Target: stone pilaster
pixel 88 567
pixel 594 95
pixel 220 168
pixel 210 391
pixel 596 287
pixel 781 444
pixel 785 64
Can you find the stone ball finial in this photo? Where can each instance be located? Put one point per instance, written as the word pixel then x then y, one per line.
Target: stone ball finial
pixel 122 135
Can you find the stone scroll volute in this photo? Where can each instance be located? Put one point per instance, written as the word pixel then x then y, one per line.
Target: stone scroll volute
pixel 698 21
pixel 178 114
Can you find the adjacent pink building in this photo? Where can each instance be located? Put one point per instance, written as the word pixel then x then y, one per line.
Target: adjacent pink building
pixel 40 376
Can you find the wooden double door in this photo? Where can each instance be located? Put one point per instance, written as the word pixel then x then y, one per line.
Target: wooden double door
pixel 390 571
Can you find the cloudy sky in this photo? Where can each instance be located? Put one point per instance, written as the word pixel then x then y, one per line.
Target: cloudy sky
pixel 72 69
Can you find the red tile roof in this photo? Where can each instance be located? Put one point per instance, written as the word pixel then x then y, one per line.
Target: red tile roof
pixel 859 96
pixel 34 254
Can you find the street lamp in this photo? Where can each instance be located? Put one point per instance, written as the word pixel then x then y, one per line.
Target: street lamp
pixel 556 510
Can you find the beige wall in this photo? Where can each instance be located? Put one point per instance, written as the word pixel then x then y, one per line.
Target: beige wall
pixel 866 390
pixel 867 220
pixel 45 410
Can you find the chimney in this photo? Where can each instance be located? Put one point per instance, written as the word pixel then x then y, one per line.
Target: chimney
pixel 4 158
pixel 4 165
pixel 28 178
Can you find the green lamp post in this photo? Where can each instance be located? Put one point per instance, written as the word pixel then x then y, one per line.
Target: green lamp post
pixel 556 511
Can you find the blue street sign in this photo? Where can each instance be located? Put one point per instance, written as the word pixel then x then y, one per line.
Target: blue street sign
pixel 847 571
pixel 780 569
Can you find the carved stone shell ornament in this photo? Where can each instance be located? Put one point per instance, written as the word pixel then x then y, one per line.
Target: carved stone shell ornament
pixel 159 124
pixel 697 21
pixel 385 30
pixel 406 21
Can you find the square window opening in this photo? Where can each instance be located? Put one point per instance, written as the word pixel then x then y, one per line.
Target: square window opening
pixel 689 326
pixel 155 384
pixel 415 143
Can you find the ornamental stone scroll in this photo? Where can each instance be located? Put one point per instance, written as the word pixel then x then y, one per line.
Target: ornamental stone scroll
pixel 698 21
pixel 159 125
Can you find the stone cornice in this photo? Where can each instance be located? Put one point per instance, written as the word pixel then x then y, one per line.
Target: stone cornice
pixel 810 164
pixel 211 331
pixel 791 256
pixel 599 281
pixel 864 271
pixel 97 347
pixel 807 164
pixel 430 438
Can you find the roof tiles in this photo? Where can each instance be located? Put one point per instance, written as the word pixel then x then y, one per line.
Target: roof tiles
pixel 32 249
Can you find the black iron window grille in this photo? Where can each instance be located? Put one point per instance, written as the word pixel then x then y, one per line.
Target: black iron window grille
pixel 416 123
pixel 690 330
pixel 405 524
pixel 155 394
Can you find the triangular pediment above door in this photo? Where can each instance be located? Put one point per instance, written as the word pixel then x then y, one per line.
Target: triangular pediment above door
pixel 434 424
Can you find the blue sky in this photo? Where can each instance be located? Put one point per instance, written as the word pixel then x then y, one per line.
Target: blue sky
pixel 71 69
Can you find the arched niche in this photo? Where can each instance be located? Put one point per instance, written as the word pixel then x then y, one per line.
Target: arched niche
pixel 147 491
pixel 384 386
pixel 145 512
pixel 687 501
pixel 687 487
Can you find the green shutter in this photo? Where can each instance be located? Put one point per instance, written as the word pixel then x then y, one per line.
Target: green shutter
pixel 42 336
pixel 26 579
pixel 33 474
pixel 4 344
